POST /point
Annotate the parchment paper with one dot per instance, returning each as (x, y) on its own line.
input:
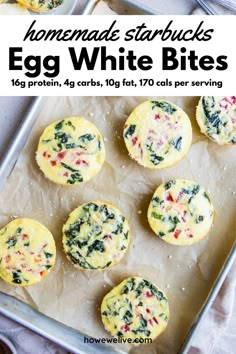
(185, 274)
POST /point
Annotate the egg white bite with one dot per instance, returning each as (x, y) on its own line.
(135, 309)
(96, 236)
(70, 151)
(27, 252)
(157, 134)
(216, 117)
(181, 212)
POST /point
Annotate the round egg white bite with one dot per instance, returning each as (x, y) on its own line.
(157, 134)
(181, 212)
(135, 309)
(70, 151)
(96, 236)
(216, 117)
(27, 252)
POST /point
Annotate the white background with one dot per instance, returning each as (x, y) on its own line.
(220, 44)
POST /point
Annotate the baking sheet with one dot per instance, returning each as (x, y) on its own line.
(170, 7)
(185, 274)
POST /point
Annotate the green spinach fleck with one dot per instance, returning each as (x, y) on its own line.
(199, 219)
(85, 139)
(156, 216)
(59, 125)
(207, 197)
(11, 242)
(128, 317)
(155, 201)
(161, 234)
(169, 184)
(177, 143)
(130, 131)
(76, 258)
(143, 321)
(208, 104)
(165, 106)
(191, 192)
(16, 275)
(155, 159)
(48, 255)
(126, 234)
(163, 315)
(118, 229)
(174, 220)
(69, 124)
(97, 245)
(157, 293)
(128, 287)
(75, 177)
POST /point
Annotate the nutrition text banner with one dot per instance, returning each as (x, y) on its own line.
(117, 55)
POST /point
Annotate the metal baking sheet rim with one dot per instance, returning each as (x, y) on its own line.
(59, 333)
(91, 4)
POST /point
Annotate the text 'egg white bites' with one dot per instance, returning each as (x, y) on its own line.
(157, 134)
(27, 252)
(70, 151)
(135, 309)
(216, 117)
(96, 236)
(181, 212)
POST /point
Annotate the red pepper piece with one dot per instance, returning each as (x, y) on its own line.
(46, 155)
(66, 174)
(147, 310)
(125, 328)
(108, 237)
(7, 258)
(155, 320)
(53, 163)
(150, 322)
(134, 140)
(177, 233)
(179, 196)
(148, 294)
(233, 99)
(82, 162)
(183, 217)
(169, 197)
(141, 150)
(24, 237)
(61, 154)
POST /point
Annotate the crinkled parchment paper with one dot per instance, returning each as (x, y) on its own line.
(185, 274)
